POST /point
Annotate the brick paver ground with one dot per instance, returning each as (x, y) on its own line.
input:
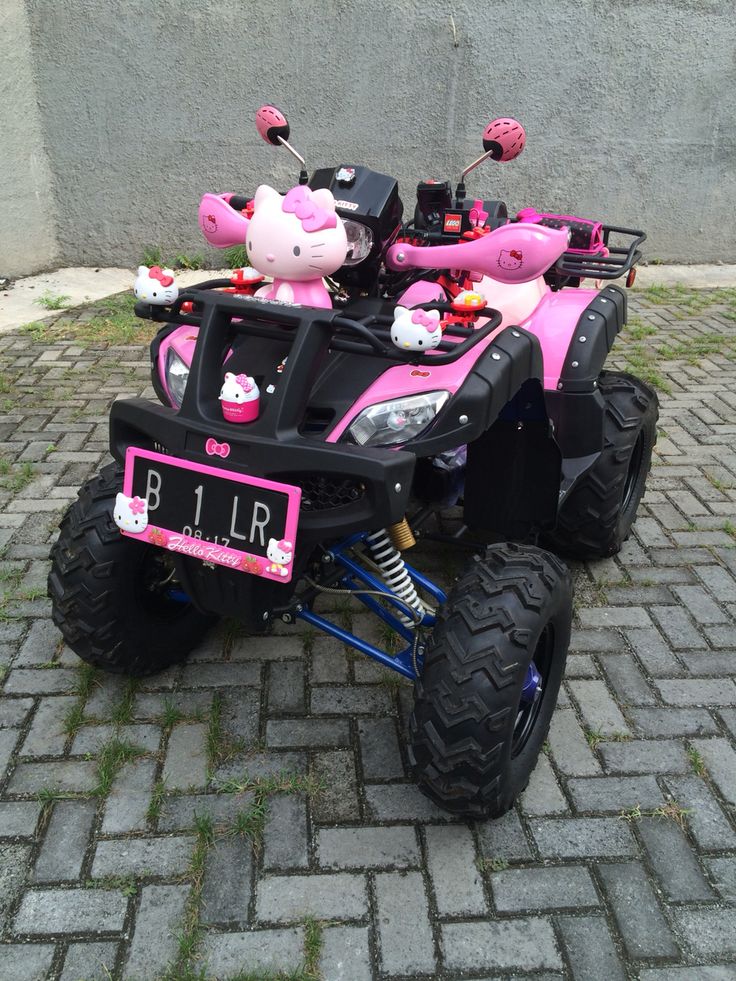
(251, 810)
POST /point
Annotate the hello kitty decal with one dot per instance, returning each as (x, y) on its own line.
(297, 239)
(510, 259)
(155, 285)
(280, 554)
(416, 330)
(130, 514)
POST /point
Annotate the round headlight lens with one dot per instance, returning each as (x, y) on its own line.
(360, 241)
(177, 375)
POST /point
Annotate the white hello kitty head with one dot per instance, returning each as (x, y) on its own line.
(510, 259)
(155, 285)
(238, 388)
(297, 237)
(131, 513)
(416, 330)
(280, 552)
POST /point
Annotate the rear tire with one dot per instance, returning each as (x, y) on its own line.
(474, 738)
(595, 518)
(108, 593)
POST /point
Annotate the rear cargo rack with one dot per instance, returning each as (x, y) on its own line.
(618, 260)
(367, 335)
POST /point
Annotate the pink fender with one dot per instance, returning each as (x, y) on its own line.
(221, 225)
(514, 253)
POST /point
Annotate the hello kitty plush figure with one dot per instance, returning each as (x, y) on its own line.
(130, 514)
(416, 330)
(279, 553)
(296, 239)
(240, 398)
(155, 285)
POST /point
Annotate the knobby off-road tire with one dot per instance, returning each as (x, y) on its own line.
(595, 519)
(473, 741)
(106, 592)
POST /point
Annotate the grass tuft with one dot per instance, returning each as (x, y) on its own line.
(52, 301)
(113, 755)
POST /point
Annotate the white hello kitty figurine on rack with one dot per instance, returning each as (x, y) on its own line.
(279, 553)
(416, 330)
(130, 514)
(240, 398)
(297, 239)
(155, 285)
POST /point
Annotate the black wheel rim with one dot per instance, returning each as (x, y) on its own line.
(528, 710)
(632, 474)
(157, 588)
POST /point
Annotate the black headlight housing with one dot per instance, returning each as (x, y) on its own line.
(365, 197)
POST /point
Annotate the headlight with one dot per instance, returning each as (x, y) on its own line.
(360, 241)
(177, 375)
(395, 422)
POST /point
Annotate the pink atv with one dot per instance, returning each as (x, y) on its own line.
(321, 407)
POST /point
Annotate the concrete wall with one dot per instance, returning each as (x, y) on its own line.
(628, 107)
(27, 227)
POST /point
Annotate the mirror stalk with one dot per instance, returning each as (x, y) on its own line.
(303, 175)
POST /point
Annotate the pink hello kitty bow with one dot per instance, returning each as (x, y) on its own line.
(299, 202)
(423, 318)
(137, 506)
(284, 545)
(213, 448)
(156, 272)
(245, 382)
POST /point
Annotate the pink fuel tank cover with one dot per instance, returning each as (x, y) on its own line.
(514, 253)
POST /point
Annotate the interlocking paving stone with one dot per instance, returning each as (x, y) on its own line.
(523, 944)
(25, 962)
(345, 954)
(590, 948)
(285, 843)
(553, 888)
(142, 856)
(52, 911)
(89, 961)
(652, 654)
(347, 848)
(65, 842)
(224, 954)
(643, 927)
(286, 899)
(404, 931)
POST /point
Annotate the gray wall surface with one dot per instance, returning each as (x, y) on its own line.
(628, 105)
(27, 223)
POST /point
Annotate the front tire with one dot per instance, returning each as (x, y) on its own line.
(111, 596)
(595, 518)
(476, 729)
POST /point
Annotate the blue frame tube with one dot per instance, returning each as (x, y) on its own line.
(356, 578)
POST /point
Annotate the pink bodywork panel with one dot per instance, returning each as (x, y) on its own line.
(232, 558)
(552, 318)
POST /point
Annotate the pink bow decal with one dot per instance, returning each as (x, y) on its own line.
(213, 448)
(245, 382)
(156, 272)
(299, 202)
(284, 545)
(137, 506)
(516, 254)
(423, 318)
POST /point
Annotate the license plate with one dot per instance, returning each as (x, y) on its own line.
(244, 523)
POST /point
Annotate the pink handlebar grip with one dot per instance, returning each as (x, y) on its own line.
(514, 253)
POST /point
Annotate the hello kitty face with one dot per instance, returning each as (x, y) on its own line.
(298, 237)
(510, 259)
(130, 513)
(209, 223)
(279, 553)
(416, 330)
(155, 285)
(238, 388)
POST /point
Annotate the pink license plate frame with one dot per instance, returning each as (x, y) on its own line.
(231, 558)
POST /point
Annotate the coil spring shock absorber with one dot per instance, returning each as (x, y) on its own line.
(389, 561)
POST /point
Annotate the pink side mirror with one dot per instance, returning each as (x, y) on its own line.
(504, 139)
(272, 125)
